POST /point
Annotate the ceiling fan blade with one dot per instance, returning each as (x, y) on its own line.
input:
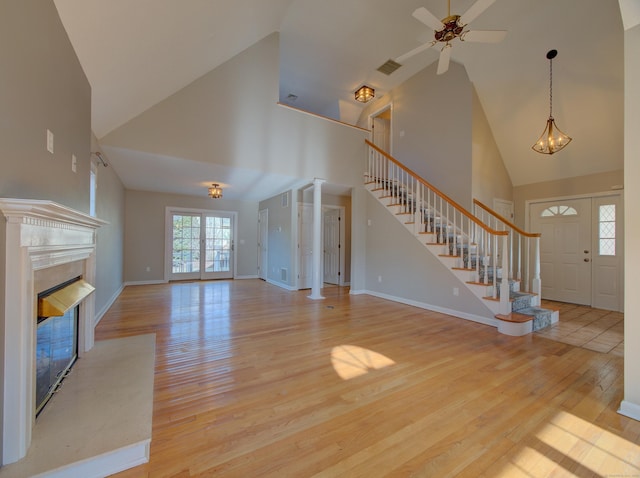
(484, 36)
(474, 11)
(415, 51)
(428, 18)
(443, 62)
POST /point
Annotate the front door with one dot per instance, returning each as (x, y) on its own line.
(565, 249)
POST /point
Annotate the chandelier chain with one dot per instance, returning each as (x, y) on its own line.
(551, 88)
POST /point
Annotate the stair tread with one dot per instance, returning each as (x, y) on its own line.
(514, 317)
(464, 269)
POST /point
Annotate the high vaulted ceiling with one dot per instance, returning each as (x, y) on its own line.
(135, 53)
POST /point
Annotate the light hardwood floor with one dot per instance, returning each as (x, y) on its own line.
(255, 381)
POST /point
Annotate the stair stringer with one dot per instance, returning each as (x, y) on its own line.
(488, 308)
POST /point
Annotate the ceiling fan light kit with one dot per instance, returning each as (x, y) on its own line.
(450, 28)
(552, 139)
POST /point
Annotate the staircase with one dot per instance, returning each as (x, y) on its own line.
(486, 253)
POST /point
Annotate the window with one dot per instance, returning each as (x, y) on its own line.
(93, 186)
(559, 211)
(607, 229)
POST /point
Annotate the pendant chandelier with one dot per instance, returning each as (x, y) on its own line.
(552, 139)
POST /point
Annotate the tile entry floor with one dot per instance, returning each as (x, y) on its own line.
(582, 326)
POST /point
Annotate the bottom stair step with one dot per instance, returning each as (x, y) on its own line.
(541, 317)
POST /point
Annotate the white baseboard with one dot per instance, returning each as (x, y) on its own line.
(146, 282)
(106, 307)
(493, 322)
(280, 284)
(629, 409)
(246, 277)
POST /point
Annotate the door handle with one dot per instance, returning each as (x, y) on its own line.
(586, 252)
(586, 259)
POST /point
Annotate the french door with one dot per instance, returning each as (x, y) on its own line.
(201, 245)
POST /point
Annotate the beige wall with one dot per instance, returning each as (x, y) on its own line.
(580, 185)
(632, 220)
(145, 232)
(42, 86)
(432, 126)
(230, 117)
(281, 238)
(490, 179)
(110, 237)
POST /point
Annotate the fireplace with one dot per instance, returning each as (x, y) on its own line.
(42, 244)
(57, 336)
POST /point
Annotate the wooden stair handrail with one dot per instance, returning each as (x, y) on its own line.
(506, 221)
(457, 206)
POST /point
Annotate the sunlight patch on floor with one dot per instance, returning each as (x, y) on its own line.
(578, 446)
(351, 361)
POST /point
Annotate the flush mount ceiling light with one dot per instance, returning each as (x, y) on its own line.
(552, 139)
(215, 191)
(365, 93)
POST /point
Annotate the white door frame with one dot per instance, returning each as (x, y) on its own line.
(263, 243)
(168, 242)
(594, 237)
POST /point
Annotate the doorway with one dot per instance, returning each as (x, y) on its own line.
(581, 250)
(380, 125)
(333, 238)
(200, 244)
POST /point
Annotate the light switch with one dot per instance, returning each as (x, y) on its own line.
(74, 162)
(50, 141)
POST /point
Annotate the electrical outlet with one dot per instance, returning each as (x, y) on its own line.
(379, 278)
(148, 269)
(74, 163)
(456, 291)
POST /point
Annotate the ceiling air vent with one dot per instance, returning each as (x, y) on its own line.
(389, 67)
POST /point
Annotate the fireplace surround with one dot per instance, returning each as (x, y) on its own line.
(43, 243)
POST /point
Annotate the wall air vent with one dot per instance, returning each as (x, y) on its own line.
(389, 67)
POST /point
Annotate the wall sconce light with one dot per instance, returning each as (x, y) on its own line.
(365, 93)
(215, 191)
(552, 138)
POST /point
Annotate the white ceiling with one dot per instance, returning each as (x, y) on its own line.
(135, 53)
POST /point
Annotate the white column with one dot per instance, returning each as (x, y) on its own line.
(316, 254)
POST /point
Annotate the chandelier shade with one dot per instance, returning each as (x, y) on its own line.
(552, 139)
(215, 191)
(365, 93)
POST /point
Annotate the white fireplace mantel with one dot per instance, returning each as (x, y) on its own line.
(38, 235)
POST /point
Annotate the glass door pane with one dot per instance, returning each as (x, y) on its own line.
(218, 246)
(185, 253)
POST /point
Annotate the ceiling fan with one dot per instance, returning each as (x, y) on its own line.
(452, 27)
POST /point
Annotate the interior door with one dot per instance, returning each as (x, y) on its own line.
(381, 129)
(331, 246)
(201, 245)
(263, 228)
(565, 249)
